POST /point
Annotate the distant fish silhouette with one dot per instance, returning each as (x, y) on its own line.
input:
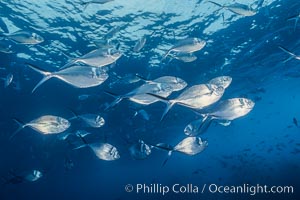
(295, 121)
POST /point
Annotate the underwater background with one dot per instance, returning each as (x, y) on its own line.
(262, 147)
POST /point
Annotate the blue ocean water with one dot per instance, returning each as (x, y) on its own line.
(260, 148)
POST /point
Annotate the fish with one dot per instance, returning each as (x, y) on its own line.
(96, 58)
(24, 37)
(188, 45)
(85, 4)
(27, 176)
(190, 146)
(139, 44)
(184, 57)
(103, 151)
(237, 8)
(47, 124)
(78, 76)
(292, 55)
(111, 32)
(78, 133)
(33, 175)
(92, 120)
(143, 113)
(192, 129)
(83, 97)
(197, 97)
(5, 48)
(295, 121)
(126, 79)
(226, 111)
(8, 80)
(162, 86)
(140, 150)
(221, 81)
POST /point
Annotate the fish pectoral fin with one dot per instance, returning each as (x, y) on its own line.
(225, 123)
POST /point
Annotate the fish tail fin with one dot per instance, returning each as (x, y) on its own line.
(68, 57)
(206, 122)
(217, 4)
(85, 5)
(75, 115)
(143, 78)
(166, 55)
(292, 55)
(117, 100)
(85, 143)
(21, 126)
(296, 21)
(47, 75)
(70, 63)
(170, 104)
(41, 82)
(166, 160)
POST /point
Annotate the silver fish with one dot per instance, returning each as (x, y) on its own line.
(237, 8)
(78, 133)
(197, 97)
(188, 45)
(143, 113)
(192, 129)
(26, 176)
(5, 48)
(189, 146)
(95, 2)
(140, 150)
(25, 37)
(221, 81)
(47, 124)
(77, 76)
(105, 151)
(139, 44)
(96, 58)
(92, 120)
(83, 97)
(33, 175)
(231, 109)
(162, 86)
(8, 80)
(226, 111)
(184, 57)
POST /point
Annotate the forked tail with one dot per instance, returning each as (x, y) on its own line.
(21, 126)
(47, 75)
